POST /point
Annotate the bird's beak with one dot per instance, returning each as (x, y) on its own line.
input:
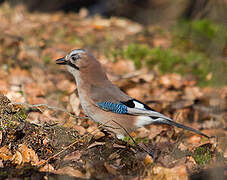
(61, 61)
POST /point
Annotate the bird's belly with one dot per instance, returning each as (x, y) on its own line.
(90, 110)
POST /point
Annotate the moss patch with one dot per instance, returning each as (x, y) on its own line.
(202, 155)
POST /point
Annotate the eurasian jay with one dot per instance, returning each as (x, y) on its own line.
(105, 103)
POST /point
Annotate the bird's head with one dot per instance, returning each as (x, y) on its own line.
(74, 60)
(81, 62)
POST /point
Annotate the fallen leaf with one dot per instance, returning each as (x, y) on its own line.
(195, 139)
(148, 160)
(182, 147)
(70, 171)
(110, 168)
(28, 154)
(5, 153)
(172, 80)
(175, 173)
(0, 137)
(17, 158)
(80, 129)
(192, 93)
(66, 85)
(74, 156)
(95, 144)
(98, 135)
(1, 164)
(123, 67)
(74, 103)
(47, 168)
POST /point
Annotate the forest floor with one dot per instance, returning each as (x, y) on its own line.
(44, 132)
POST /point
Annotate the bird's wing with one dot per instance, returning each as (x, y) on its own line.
(149, 116)
(132, 106)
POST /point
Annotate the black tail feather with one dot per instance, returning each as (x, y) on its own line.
(166, 121)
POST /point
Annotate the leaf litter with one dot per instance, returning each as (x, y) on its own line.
(59, 140)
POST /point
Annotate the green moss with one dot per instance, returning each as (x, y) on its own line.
(75, 41)
(172, 60)
(137, 140)
(202, 35)
(46, 59)
(137, 53)
(21, 115)
(202, 155)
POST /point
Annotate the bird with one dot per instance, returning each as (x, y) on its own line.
(105, 103)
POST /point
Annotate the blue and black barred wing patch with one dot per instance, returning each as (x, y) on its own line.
(116, 108)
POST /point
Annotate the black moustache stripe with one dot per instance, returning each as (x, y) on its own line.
(73, 65)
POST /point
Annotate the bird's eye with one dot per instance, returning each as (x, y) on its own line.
(75, 57)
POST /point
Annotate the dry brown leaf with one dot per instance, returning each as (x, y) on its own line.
(114, 155)
(47, 168)
(66, 85)
(171, 80)
(175, 173)
(225, 154)
(123, 67)
(192, 93)
(195, 139)
(80, 129)
(169, 96)
(143, 132)
(17, 158)
(138, 92)
(70, 171)
(15, 96)
(100, 24)
(4, 86)
(93, 129)
(28, 154)
(0, 137)
(95, 144)
(98, 135)
(161, 42)
(74, 156)
(19, 77)
(5, 153)
(155, 130)
(1, 164)
(182, 147)
(34, 93)
(191, 164)
(148, 160)
(110, 168)
(74, 103)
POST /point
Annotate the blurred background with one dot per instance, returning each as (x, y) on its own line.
(170, 54)
(196, 30)
(142, 11)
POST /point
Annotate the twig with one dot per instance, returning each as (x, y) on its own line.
(49, 107)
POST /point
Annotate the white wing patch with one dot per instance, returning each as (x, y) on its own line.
(138, 105)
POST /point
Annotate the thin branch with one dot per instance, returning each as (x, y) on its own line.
(49, 107)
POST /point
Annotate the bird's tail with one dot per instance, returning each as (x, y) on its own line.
(169, 122)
